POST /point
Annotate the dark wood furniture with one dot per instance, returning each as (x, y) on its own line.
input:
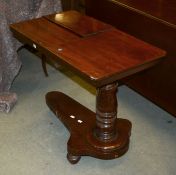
(154, 22)
(78, 5)
(101, 55)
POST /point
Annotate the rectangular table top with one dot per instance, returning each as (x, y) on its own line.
(101, 58)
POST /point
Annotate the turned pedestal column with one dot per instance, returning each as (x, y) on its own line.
(106, 113)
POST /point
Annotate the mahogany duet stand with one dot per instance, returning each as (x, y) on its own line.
(101, 55)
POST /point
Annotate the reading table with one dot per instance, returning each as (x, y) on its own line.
(101, 55)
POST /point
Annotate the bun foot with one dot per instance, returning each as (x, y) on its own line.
(73, 159)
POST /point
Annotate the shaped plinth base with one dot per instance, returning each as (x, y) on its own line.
(81, 122)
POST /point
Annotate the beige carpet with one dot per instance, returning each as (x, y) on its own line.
(33, 141)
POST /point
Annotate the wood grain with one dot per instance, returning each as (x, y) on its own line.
(78, 23)
(154, 23)
(100, 59)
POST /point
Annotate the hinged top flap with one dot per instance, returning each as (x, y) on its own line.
(78, 23)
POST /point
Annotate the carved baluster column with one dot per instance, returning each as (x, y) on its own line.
(106, 113)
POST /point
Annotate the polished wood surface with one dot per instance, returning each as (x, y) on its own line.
(162, 10)
(81, 122)
(42, 33)
(78, 23)
(102, 59)
(153, 22)
(110, 56)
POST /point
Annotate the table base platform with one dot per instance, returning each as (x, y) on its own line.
(81, 122)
